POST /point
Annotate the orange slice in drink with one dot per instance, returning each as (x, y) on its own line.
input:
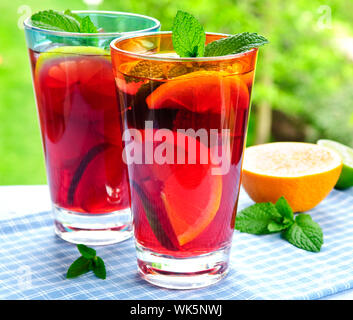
(190, 211)
(201, 91)
(192, 196)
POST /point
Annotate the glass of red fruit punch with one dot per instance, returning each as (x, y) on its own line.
(79, 120)
(184, 127)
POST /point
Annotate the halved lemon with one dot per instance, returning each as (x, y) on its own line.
(303, 173)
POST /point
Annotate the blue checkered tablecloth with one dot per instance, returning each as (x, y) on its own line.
(33, 261)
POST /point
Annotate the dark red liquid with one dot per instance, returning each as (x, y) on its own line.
(182, 209)
(80, 125)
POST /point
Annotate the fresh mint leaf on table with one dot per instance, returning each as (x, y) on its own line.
(78, 267)
(98, 268)
(89, 261)
(266, 217)
(256, 218)
(63, 21)
(305, 233)
(189, 39)
(86, 252)
(285, 210)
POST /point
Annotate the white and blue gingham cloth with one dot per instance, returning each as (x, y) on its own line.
(33, 261)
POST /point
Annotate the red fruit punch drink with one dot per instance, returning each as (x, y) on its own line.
(79, 118)
(185, 122)
(81, 133)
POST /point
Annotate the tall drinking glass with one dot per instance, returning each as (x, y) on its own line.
(185, 123)
(79, 120)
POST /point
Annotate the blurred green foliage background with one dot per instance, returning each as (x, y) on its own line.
(303, 88)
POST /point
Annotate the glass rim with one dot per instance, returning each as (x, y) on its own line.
(28, 25)
(174, 59)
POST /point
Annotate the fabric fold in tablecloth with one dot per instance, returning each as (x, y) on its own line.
(33, 261)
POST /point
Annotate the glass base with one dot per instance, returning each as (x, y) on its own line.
(93, 229)
(182, 273)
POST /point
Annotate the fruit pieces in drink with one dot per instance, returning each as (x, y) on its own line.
(184, 209)
(172, 189)
(200, 91)
(79, 117)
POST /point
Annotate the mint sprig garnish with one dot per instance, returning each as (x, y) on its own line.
(188, 35)
(87, 26)
(66, 21)
(266, 217)
(73, 15)
(238, 43)
(88, 261)
(189, 38)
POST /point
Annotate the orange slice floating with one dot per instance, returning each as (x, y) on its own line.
(190, 211)
(201, 91)
(192, 196)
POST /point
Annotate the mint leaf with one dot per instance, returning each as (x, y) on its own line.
(86, 252)
(73, 15)
(304, 233)
(256, 218)
(262, 218)
(285, 210)
(188, 35)
(63, 21)
(98, 268)
(78, 267)
(87, 262)
(274, 226)
(87, 26)
(54, 20)
(238, 43)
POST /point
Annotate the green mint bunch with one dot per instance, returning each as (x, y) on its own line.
(66, 21)
(266, 217)
(87, 262)
(189, 37)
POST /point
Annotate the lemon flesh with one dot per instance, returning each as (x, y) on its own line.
(66, 51)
